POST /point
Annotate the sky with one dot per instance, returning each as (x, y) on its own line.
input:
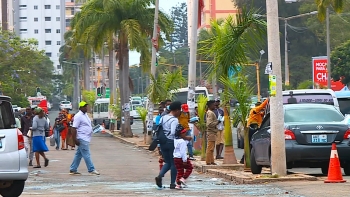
(165, 6)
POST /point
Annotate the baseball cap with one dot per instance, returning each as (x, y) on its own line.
(82, 104)
(184, 108)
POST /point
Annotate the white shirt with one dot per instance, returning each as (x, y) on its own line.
(169, 125)
(180, 150)
(82, 123)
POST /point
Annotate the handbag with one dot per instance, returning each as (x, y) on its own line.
(29, 133)
(52, 141)
(60, 127)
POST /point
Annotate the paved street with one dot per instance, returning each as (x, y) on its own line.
(125, 171)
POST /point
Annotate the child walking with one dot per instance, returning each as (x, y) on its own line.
(182, 163)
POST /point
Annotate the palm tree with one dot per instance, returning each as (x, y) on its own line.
(229, 47)
(127, 25)
(322, 6)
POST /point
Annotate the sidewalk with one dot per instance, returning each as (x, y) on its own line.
(126, 170)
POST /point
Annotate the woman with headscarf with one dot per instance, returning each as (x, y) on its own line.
(39, 127)
(64, 133)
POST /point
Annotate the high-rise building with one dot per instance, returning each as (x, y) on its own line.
(43, 20)
(72, 7)
(217, 9)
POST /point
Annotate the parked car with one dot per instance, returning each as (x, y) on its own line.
(66, 105)
(13, 157)
(310, 130)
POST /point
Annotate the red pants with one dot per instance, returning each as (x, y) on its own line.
(180, 167)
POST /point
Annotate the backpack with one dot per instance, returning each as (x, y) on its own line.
(159, 136)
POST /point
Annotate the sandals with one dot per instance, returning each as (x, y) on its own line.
(46, 162)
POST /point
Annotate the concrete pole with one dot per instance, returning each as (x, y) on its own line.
(329, 73)
(286, 66)
(77, 84)
(150, 105)
(103, 68)
(278, 151)
(193, 58)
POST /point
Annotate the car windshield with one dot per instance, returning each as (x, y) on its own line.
(65, 102)
(312, 115)
(182, 96)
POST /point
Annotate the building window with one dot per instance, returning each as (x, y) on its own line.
(48, 54)
(47, 31)
(22, 7)
(23, 30)
(58, 18)
(47, 7)
(59, 67)
(47, 42)
(67, 22)
(35, 7)
(36, 19)
(22, 18)
(58, 42)
(57, 7)
(47, 18)
(36, 31)
(58, 31)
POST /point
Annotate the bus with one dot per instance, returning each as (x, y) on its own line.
(182, 94)
(344, 101)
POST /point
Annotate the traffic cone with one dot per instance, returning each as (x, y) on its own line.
(334, 170)
(104, 128)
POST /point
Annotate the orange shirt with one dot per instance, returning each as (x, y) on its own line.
(184, 118)
(255, 115)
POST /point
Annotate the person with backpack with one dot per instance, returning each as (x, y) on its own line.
(166, 136)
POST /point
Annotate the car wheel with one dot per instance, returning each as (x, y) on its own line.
(347, 170)
(255, 168)
(14, 190)
(324, 170)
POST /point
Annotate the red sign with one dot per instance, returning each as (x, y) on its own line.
(320, 74)
(319, 69)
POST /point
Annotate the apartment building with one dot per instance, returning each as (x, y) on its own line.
(43, 20)
(72, 7)
(217, 9)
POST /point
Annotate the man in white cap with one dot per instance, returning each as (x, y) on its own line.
(82, 131)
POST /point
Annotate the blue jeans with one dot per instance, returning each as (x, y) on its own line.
(57, 137)
(83, 151)
(189, 145)
(167, 153)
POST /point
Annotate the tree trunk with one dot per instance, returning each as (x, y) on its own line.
(86, 73)
(246, 148)
(144, 132)
(229, 154)
(125, 100)
(110, 72)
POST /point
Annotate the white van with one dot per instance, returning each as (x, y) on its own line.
(320, 96)
(182, 94)
(101, 108)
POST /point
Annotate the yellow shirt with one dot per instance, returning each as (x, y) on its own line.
(184, 118)
(255, 115)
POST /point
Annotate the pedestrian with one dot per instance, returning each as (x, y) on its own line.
(56, 132)
(184, 119)
(182, 163)
(211, 123)
(64, 132)
(255, 118)
(82, 132)
(39, 127)
(26, 124)
(169, 123)
(166, 107)
(70, 141)
(220, 138)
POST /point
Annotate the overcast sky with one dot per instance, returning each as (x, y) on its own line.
(165, 5)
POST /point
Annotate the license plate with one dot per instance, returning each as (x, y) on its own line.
(319, 138)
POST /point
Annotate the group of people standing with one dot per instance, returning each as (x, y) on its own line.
(62, 130)
(174, 118)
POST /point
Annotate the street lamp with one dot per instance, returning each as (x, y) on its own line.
(286, 66)
(76, 100)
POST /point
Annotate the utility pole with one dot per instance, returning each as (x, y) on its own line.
(328, 52)
(153, 69)
(286, 66)
(278, 150)
(193, 57)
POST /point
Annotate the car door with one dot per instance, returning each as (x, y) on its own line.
(9, 154)
(261, 141)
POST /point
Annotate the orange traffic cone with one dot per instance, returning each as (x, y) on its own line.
(334, 170)
(104, 128)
